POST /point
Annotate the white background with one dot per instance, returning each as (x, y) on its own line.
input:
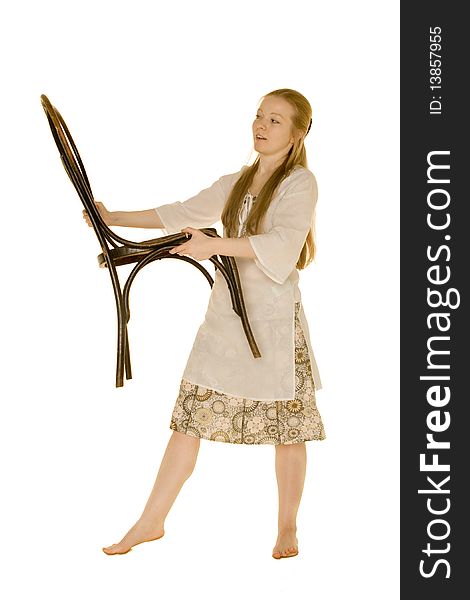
(159, 99)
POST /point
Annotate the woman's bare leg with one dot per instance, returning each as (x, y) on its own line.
(291, 464)
(177, 465)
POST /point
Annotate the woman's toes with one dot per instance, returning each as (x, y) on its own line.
(113, 549)
(284, 552)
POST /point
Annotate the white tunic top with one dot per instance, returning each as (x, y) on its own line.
(221, 358)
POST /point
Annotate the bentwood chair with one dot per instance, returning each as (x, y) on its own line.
(118, 251)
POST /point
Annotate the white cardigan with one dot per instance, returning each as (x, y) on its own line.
(221, 358)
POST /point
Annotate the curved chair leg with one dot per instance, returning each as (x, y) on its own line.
(122, 322)
(127, 358)
(121, 347)
(228, 270)
(157, 254)
(152, 256)
(241, 304)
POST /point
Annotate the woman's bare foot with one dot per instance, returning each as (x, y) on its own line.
(286, 544)
(139, 533)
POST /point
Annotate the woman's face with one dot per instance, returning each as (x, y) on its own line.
(273, 122)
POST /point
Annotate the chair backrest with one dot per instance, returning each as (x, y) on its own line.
(75, 169)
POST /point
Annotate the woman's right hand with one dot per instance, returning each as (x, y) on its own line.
(105, 214)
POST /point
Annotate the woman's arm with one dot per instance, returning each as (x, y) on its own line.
(134, 218)
(145, 219)
(201, 210)
(201, 246)
(233, 247)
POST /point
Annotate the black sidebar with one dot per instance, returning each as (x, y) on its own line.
(435, 271)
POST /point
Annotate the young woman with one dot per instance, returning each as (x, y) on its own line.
(267, 210)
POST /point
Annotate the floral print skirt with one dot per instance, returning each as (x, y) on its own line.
(205, 413)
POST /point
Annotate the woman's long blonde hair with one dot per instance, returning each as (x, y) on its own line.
(297, 156)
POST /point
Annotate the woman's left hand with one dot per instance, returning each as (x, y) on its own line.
(199, 247)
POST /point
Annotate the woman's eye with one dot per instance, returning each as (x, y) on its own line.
(273, 120)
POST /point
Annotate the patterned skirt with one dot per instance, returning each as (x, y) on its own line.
(205, 413)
